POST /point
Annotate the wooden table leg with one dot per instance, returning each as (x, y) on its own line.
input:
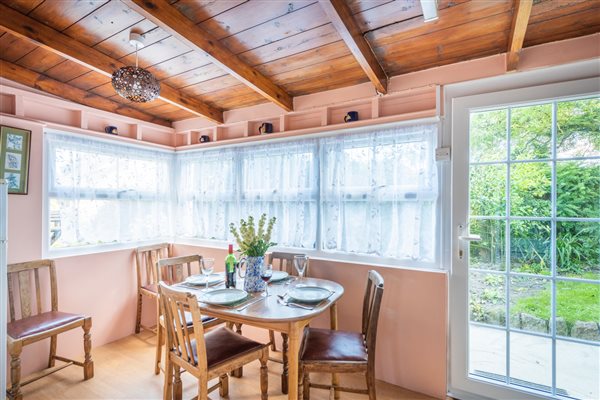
(335, 381)
(295, 333)
(284, 361)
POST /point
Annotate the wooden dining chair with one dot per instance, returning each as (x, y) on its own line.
(329, 351)
(146, 259)
(171, 271)
(206, 355)
(283, 262)
(34, 325)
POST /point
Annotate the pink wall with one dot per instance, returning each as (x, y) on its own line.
(411, 343)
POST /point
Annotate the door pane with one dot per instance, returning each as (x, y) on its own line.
(578, 128)
(487, 357)
(578, 249)
(530, 190)
(531, 132)
(530, 247)
(490, 252)
(577, 370)
(487, 136)
(530, 304)
(488, 190)
(531, 361)
(578, 310)
(487, 300)
(578, 189)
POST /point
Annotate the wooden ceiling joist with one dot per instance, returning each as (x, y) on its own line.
(42, 82)
(167, 17)
(342, 19)
(65, 46)
(520, 20)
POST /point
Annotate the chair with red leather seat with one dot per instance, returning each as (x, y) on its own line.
(30, 328)
(329, 351)
(204, 355)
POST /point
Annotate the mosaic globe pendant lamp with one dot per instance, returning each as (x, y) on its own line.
(135, 83)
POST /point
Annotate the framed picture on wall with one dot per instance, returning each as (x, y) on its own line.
(15, 146)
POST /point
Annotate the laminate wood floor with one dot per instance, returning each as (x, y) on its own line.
(123, 370)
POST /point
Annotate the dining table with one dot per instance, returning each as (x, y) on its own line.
(268, 312)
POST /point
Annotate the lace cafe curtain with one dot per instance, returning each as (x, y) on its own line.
(207, 193)
(217, 187)
(281, 179)
(371, 194)
(101, 192)
(379, 193)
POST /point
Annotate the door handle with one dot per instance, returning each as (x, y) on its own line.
(465, 236)
(470, 238)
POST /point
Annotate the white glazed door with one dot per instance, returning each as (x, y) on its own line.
(525, 282)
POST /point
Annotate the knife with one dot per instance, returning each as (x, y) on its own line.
(249, 304)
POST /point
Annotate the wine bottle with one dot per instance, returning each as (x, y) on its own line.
(230, 263)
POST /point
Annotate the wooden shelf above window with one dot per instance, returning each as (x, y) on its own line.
(413, 104)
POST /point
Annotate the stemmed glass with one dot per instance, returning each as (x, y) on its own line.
(300, 263)
(208, 264)
(265, 274)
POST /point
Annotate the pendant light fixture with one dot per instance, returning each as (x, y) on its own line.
(134, 83)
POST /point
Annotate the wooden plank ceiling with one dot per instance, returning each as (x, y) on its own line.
(293, 45)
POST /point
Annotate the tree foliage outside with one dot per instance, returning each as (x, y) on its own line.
(577, 186)
(533, 138)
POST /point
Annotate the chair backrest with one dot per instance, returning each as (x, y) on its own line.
(146, 259)
(370, 314)
(285, 262)
(176, 269)
(179, 333)
(20, 278)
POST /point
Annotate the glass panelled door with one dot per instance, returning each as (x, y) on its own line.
(530, 250)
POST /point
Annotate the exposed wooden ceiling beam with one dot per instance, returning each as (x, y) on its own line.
(42, 82)
(342, 19)
(65, 46)
(177, 24)
(521, 13)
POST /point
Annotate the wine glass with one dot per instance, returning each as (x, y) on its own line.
(265, 274)
(208, 264)
(300, 263)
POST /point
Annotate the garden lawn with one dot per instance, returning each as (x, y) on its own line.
(575, 301)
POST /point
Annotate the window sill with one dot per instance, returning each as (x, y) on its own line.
(97, 249)
(374, 261)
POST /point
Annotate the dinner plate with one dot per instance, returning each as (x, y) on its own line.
(309, 294)
(279, 276)
(200, 280)
(224, 296)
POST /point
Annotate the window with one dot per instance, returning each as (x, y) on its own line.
(379, 193)
(102, 193)
(217, 187)
(207, 194)
(369, 194)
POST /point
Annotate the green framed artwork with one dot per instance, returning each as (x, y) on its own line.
(15, 146)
